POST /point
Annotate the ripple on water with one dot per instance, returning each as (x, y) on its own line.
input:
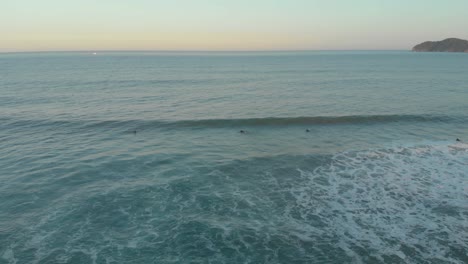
(390, 205)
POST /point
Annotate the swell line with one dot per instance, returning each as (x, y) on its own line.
(307, 120)
(227, 123)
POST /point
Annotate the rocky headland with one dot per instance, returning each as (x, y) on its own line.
(447, 45)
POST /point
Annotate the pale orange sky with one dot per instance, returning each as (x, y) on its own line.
(28, 25)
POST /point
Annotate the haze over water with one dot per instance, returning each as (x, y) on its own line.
(136, 157)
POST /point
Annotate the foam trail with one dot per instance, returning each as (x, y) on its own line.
(408, 204)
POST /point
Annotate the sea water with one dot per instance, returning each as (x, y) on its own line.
(137, 157)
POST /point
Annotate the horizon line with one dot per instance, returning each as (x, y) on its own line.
(182, 51)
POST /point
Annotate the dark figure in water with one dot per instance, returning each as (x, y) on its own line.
(242, 132)
(134, 132)
(458, 140)
(307, 130)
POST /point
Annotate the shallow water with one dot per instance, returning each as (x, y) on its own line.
(137, 157)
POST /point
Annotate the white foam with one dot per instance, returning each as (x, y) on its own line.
(9, 256)
(405, 203)
(392, 201)
(459, 146)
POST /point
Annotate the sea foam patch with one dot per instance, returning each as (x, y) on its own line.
(407, 204)
(393, 205)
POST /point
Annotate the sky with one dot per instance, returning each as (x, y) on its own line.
(56, 25)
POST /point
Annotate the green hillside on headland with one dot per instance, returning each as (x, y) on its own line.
(447, 45)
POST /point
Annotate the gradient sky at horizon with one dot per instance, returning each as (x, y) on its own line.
(46, 25)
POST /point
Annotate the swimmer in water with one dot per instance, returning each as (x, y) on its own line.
(458, 140)
(242, 132)
(307, 130)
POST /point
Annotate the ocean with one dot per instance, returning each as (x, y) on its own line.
(234, 157)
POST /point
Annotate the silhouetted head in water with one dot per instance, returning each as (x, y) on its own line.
(134, 132)
(458, 140)
(242, 132)
(307, 130)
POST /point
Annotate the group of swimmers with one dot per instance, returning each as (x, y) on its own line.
(308, 130)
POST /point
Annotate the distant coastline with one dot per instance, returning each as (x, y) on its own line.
(446, 45)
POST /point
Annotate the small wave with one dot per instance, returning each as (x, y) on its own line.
(308, 120)
(239, 122)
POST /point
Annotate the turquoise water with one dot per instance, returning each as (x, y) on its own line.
(136, 157)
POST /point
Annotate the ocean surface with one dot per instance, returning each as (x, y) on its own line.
(137, 157)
